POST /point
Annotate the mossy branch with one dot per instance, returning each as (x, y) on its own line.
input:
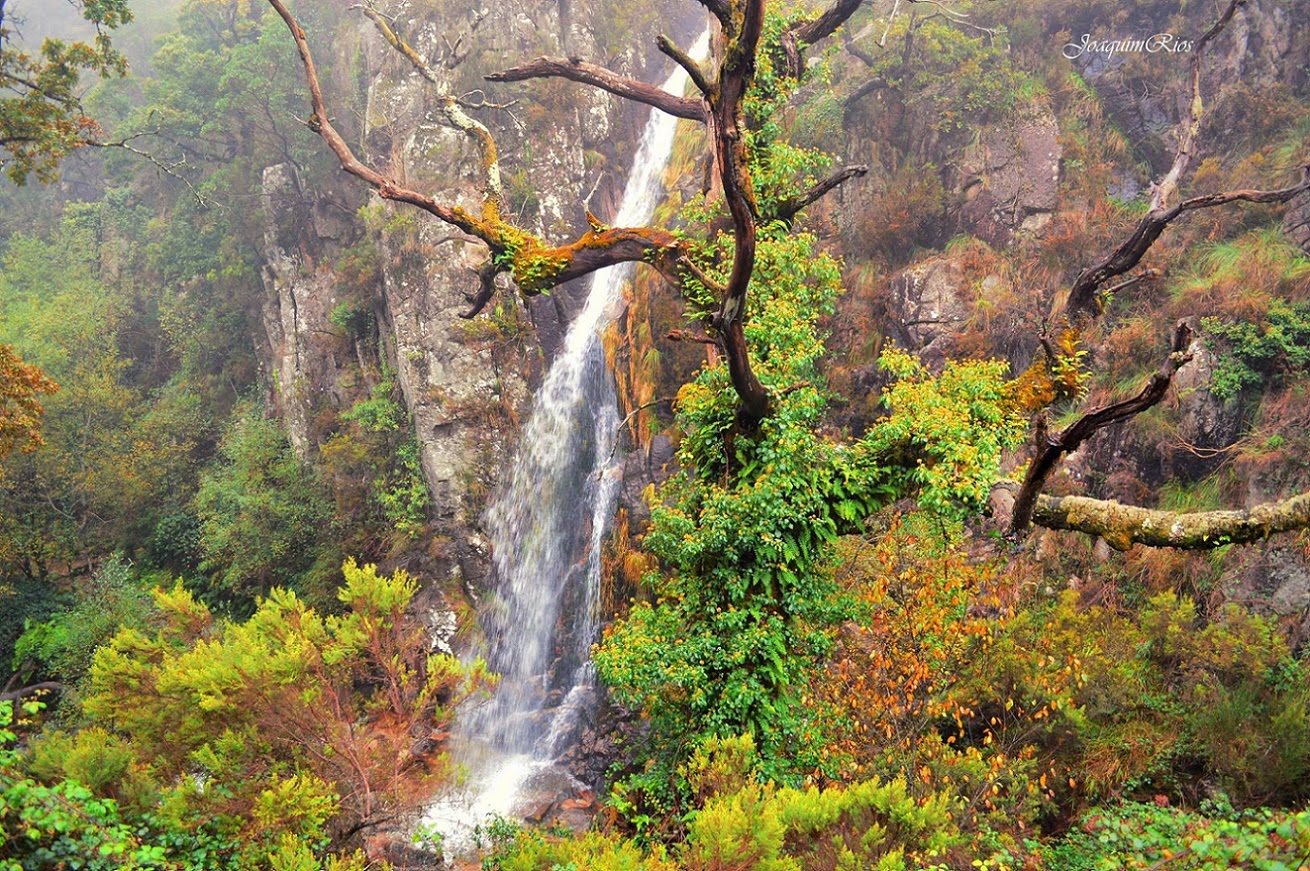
(1123, 526)
(535, 265)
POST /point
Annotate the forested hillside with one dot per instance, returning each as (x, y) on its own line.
(924, 487)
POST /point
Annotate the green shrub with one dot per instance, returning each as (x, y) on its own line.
(1252, 352)
(869, 825)
(1217, 838)
(65, 643)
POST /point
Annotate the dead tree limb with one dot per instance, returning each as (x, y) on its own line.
(728, 131)
(1167, 186)
(1122, 526)
(23, 692)
(451, 111)
(1082, 296)
(1052, 449)
(792, 206)
(722, 109)
(687, 62)
(813, 30)
(589, 74)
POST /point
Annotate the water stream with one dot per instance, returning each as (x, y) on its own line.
(546, 529)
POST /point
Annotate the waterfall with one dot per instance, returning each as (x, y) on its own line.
(546, 529)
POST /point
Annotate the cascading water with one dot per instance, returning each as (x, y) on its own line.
(546, 529)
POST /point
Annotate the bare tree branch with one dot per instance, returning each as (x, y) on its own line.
(451, 110)
(24, 692)
(812, 31)
(589, 74)
(536, 266)
(386, 188)
(1167, 186)
(1052, 449)
(727, 126)
(1122, 526)
(684, 60)
(791, 207)
(1082, 296)
(169, 169)
(700, 275)
(486, 273)
(687, 336)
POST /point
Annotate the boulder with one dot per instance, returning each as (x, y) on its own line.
(927, 306)
(1296, 221)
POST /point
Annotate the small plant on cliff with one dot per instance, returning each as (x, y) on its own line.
(1253, 352)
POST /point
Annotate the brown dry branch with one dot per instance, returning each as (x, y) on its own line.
(1052, 449)
(813, 30)
(576, 70)
(789, 208)
(1082, 296)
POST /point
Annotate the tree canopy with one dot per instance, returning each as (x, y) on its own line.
(41, 114)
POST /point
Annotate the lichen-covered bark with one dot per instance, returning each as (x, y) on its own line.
(1123, 526)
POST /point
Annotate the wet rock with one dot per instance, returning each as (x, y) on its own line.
(396, 850)
(1277, 579)
(1206, 423)
(641, 468)
(442, 625)
(599, 744)
(554, 795)
(301, 346)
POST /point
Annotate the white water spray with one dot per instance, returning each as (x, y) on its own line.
(547, 529)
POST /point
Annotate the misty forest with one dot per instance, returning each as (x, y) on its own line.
(584, 435)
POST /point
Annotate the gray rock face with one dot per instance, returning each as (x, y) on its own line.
(1296, 221)
(1204, 420)
(1260, 46)
(641, 468)
(301, 348)
(928, 306)
(1279, 578)
(563, 148)
(1011, 180)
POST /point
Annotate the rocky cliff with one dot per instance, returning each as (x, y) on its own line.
(354, 293)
